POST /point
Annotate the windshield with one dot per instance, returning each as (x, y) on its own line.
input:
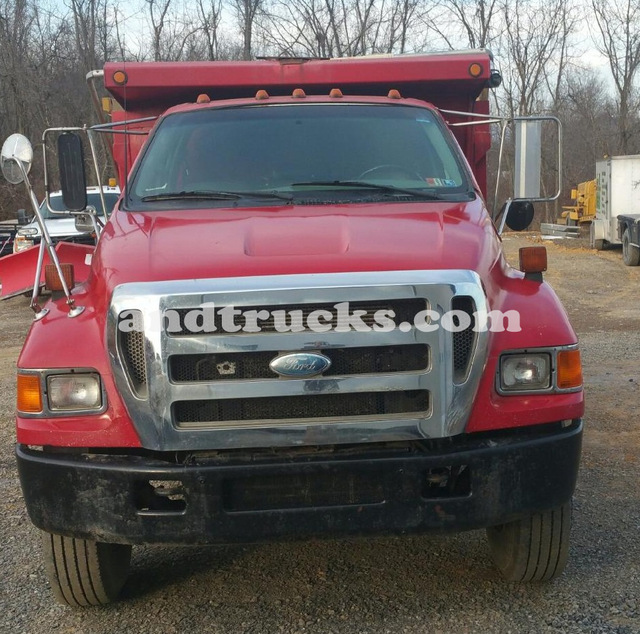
(297, 151)
(93, 200)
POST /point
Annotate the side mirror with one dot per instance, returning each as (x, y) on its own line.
(16, 158)
(22, 217)
(519, 215)
(528, 159)
(84, 223)
(73, 180)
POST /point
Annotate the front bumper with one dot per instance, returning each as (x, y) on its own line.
(466, 482)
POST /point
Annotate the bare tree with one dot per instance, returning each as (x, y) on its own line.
(618, 24)
(339, 28)
(210, 14)
(535, 37)
(246, 13)
(588, 114)
(477, 21)
(157, 16)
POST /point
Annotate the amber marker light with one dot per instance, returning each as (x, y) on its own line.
(569, 370)
(120, 77)
(52, 280)
(298, 93)
(261, 95)
(475, 69)
(203, 98)
(533, 259)
(394, 94)
(29, 394)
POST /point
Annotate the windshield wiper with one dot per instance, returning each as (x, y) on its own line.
(366, 185)
(213, 195)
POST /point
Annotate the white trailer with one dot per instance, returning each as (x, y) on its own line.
(617, 194)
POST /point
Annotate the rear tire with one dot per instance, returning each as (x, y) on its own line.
(83, 572)
(630, 253)
(534, 548)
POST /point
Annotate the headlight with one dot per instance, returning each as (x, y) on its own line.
(72, 392)
(21, 243)
(525, 372)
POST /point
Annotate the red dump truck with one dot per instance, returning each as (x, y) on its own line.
(297, 322)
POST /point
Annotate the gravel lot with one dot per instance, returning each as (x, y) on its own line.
(418, 584)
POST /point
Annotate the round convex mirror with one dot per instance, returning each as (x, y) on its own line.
(16, 148)
(520, 215)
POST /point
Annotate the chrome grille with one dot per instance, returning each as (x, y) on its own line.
(259, 410)
(189, 368)
(402, 384)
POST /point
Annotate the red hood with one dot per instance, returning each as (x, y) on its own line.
(210, 243)
(288, 240)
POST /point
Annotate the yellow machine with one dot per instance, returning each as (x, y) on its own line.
(584, 211)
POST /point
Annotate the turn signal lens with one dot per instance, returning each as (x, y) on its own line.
(533, 259)
(29, 394)
(52, 280)
(475, 70)
(569, 372)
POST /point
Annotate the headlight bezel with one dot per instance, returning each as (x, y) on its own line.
(552, 388)
(543, 360)
(51, 412)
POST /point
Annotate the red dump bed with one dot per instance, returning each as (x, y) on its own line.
(453, 81)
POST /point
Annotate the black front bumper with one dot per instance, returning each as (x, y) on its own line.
(460, 483)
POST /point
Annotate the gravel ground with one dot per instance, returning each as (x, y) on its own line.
(393, 585)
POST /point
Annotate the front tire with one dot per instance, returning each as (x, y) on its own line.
(534, 548)
(83, 572)
(630, 253)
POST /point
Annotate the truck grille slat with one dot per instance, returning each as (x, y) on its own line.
(203, 413)
(131, 347)
(464, 342)
(255, 365)
(404, 309)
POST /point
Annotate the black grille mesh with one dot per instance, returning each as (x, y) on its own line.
(306, 407)
(465, 340)
(255, 365)
(404, 309)
(131, 345)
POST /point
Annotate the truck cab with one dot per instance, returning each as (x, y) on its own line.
(299, 322)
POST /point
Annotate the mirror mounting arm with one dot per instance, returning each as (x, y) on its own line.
(47, 244)
(505, 213)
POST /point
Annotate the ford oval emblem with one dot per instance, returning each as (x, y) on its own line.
(300, 364)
